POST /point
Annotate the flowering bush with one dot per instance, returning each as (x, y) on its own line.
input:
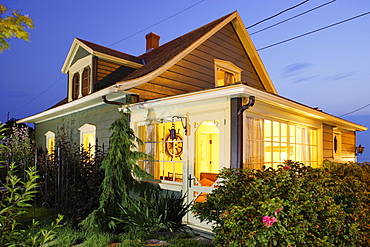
(294, 205)
(18, 147)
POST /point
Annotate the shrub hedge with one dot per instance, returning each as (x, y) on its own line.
(294, 205)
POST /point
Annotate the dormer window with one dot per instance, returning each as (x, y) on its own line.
(86, 81)
(225, 78)
(226, 73)
(80, 84)
(76, 86)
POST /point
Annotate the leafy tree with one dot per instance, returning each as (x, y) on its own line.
(122, 176)
(13, 26)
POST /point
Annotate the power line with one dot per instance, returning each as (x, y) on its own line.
(156, 23)
(39, 94)
(281, 12)
(112, 45)
(303, 13)
(314, 31)
(355, 110)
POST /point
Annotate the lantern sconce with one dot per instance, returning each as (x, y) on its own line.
(359, 149)
(184, 122)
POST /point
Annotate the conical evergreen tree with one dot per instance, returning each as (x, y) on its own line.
(122, 175)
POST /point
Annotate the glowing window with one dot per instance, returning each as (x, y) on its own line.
(226, 73)
(50, 142)
(271, 143)
(88, 137)
(167, 153)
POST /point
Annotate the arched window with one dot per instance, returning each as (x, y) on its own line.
(88, 137)
(75, 86)
(50, 142)
(86, 85)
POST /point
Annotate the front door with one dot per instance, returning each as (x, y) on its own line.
(207, 151)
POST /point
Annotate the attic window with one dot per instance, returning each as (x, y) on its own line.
(86, 85)
(76, 86)
(226, 73)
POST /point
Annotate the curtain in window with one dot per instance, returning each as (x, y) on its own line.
(253, 148)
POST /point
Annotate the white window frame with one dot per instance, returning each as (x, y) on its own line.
(247, 140)
(228, 67)
(50, 135)
(337, 134)
(78, 67)
(87, 129)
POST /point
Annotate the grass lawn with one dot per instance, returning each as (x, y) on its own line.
(67, 236)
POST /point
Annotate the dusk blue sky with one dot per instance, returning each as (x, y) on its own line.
(329, 69)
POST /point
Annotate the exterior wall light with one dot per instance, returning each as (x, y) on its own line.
(359, 149)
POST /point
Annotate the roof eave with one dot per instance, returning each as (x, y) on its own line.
(84, 103)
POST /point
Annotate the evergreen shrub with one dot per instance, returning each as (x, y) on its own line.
(294, 205)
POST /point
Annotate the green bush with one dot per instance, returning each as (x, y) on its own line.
(294, 205)
(16, 196)
(154, 211)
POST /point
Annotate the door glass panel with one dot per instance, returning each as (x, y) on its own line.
(207, 146)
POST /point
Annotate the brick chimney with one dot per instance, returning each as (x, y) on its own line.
(152, 41)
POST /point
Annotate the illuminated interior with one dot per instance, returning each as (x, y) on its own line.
(50, 142)
(271, 143)
(88, 142)
(50, 146)
(225, 78)
(207, 153)
(167, 153)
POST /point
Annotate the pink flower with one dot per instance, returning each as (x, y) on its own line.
(286, 167)
(268, 221)
(278, 210)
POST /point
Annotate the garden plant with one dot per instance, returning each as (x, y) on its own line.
(16, 197)
(294, 205)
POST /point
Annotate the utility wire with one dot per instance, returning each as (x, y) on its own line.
(112, 45)
(156, 23)
(314, 31)
(355, 110)
(281, 12)
(292, 17)
(39, 94)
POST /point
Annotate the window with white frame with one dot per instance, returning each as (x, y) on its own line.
(88, 137)
(50, 142)
(226, 73)
(270, 143)
(81, 83)
(167, 153)
(337, 143)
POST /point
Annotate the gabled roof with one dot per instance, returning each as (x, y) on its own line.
(164, 53)
(99, 51)
(162, 58)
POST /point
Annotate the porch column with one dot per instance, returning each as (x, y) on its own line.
(236, 147)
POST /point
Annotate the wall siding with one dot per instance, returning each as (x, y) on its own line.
(327, 142)
(348, 144)
(101, 116)
(195, 71)
(109, 73)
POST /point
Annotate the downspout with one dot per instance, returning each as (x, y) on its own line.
(240, 130)
(128, 115)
